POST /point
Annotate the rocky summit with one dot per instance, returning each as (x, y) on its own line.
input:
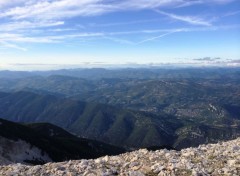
(222, 158)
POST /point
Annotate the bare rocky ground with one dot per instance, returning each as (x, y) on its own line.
(222, 158)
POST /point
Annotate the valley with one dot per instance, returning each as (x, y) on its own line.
(156, 107)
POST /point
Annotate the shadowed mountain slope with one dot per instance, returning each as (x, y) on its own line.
(57, 143)
(116, 126)
(91, 120)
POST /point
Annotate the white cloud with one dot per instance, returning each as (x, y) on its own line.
(231, 13)
(59, 9)
(49, 17)
(188, 19)
(118, 40)
(157, 37)
(10, 45)
(12, 3)
(56, 9)
(122, 23)
(19, 38)
(23, 38)
(189, 3)
(148, 4)
(221, 1)
(16, 25)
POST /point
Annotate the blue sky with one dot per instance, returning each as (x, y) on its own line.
(72, 32)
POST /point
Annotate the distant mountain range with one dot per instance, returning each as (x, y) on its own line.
(130, 108)
(131, 73)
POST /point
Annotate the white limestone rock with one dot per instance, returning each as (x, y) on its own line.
(222, 158)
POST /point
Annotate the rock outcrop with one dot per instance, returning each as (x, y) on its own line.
(222, 158)
(20, 151)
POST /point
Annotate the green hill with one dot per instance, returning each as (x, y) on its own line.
(121, 127)
(109, 124)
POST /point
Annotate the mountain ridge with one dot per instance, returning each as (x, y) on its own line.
(221, 158)
(78, 117)
(116, 126)
(50, 140)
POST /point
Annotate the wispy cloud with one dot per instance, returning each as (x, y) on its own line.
(157, 37)
(188, 19)
(59, 9)
(46, 21)
(10, 4)
(118, 40)
(220, 1)
(208, 59)
(10, 45)
(8, 38)
(189, 3)
(122, 23)
(18, 25)
(206, 2)
(231, 13)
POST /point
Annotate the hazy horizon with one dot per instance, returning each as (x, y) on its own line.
(49, 67)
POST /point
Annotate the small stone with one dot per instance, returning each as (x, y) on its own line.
(144, 151)
(236, 148)
(98, 161)
(225, 170)
(195, 173)
(105, 159)
(154, 167)
(145, 169)
(134, 159)
(188, 154)
(167, 155)
(209, 170)
(159, 169)
(135, 173)
(231, 162)
(133, 164)
(126, 164)
(84, 162)
(136, 168)
(89, 173)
